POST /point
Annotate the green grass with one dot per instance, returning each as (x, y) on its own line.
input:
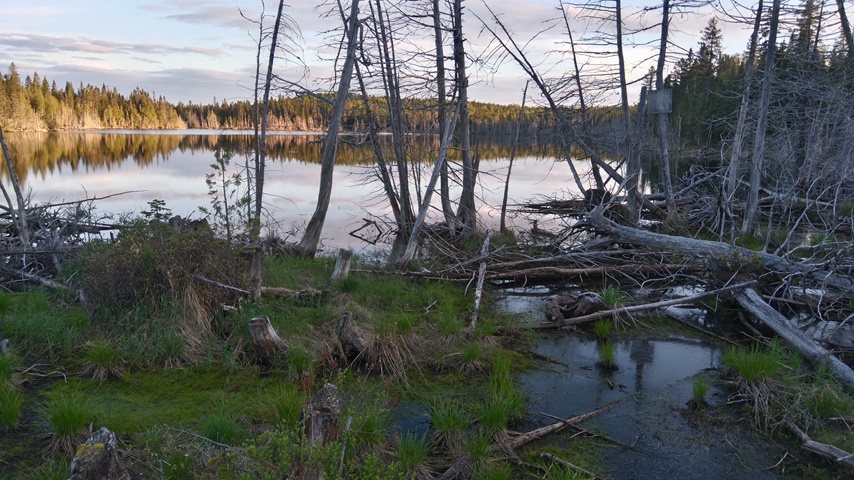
(8, 363)
(369, 428)
(503, 403)
(222, 425)
(450, 422)
(494, 471)
(68, 415)
(413, 451)
(603, 327)
(11, 404)
(103, 360)
(753, 364)
(559, 472)
(699, 388)
(37, 325)
(607, 355)
(288, 406)
(471, 352)
(612, 296)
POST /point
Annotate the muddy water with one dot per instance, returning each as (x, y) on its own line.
(655, 375)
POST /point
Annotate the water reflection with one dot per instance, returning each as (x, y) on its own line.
(172, 166)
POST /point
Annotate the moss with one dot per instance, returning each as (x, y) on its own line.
(85, 451)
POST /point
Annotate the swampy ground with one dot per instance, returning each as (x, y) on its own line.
(170, 368)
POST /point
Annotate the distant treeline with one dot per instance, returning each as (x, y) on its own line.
(36, 104)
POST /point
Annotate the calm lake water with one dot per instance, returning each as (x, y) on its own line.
(171, 166)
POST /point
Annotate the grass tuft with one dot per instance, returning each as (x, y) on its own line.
(68, 415)
(603, 328)
(11, 404)
(103, 361)
(412, 452)
(222, 426)
(449, 424)
(607, 356)
(612, 296)
(755, 364)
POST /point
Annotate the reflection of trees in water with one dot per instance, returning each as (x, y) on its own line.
(41, 153)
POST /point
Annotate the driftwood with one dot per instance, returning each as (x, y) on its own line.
(707, 248)
(265, 340)
(815, 353)
(827, 451)
(481, 274)
(342, 265)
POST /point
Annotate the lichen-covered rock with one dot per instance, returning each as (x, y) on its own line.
(97, 459)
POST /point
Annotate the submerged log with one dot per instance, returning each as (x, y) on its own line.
(97, 459)
(707, 248)
(265, 340)
(815, 353)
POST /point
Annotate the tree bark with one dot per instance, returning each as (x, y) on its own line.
(311, 237)
(266, 341)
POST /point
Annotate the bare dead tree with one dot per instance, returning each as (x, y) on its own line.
(751, 224)
(503, 225)
(467, 212)
(311, 237)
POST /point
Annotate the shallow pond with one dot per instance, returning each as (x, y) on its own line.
(657, 367)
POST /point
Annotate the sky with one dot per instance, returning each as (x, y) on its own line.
(198, 50)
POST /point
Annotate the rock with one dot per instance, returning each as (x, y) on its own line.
(97, 459)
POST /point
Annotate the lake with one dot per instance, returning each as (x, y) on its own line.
(171, 166)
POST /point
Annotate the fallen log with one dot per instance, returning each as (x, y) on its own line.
(630, 309)
(306, 295)
(707, 248)
(822, 449)
(753, 303)
(265, 340)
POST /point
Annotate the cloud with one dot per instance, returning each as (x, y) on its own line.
(30, 43)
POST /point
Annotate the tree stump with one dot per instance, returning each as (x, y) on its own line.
(342, 265)
(265, 340)
(97, 459)
(322, 416)
(353, 339)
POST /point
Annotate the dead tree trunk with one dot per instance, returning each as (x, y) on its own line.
(632, 162)
(503, 226)
(442, 112)
(261, 144)
(265, 340)
(311, 237)
(846, 29)
(23, 232)
(663, 120)
(751, 215)
(753, 303)
(706, 248)
(467, 210)
(740, 128)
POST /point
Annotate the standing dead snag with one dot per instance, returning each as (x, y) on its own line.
(266, 341)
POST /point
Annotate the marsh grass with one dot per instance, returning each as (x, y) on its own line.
(503, 403)
(754, 364)
(559, 472)
(11, 405)
(450, 423)
(494, 471)
(8, 364)
(223, 425)
(68, 415)
(603, 328)
(612, 296)
(288, 406)
(607, 356)
(472, 355)
(699, 389)
(300, 363)
(413, 451)
(103, 361)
